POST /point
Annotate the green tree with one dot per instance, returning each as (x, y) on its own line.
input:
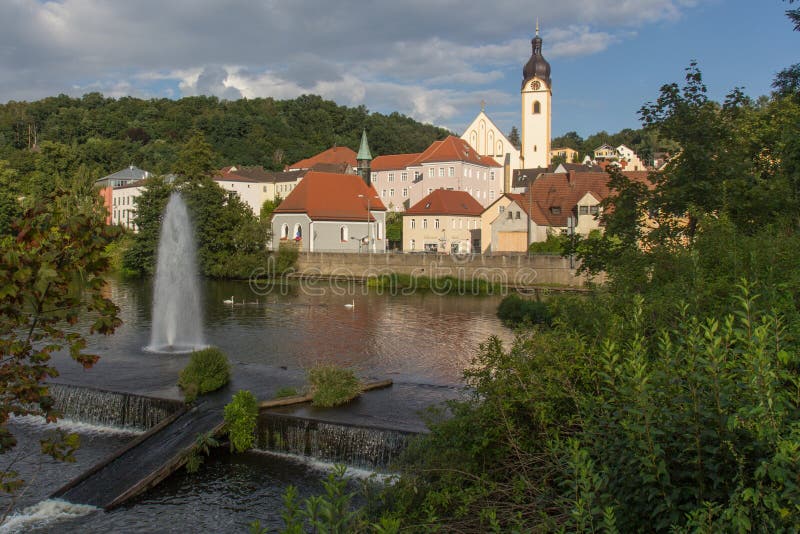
(196, 159)
(513, 137)
(140, 257)
(268, 207)
(51, 273)
(10, 207)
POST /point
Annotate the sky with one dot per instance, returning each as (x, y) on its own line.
(433, 60)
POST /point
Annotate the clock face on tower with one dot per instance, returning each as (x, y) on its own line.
(535, 85)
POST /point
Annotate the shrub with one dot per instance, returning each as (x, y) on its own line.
(555, 244)
(332, 386)
(208, 370)
(286, 258)
(241, 415)
(516, 311)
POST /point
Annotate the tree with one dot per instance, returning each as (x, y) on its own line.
(513, 137)
(787, 81)
(140, 257)
(51, 273)
(268, 207)
(394, 228)
(196, 159)
(10, 207)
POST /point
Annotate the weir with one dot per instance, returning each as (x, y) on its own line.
(364, 447)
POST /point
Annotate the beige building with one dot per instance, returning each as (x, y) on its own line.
(445, 221)
(570, 155)
(497, 208)
(484, 135)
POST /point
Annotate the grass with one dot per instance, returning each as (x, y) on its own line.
(286, 392)
(332, 386)
(208, 370)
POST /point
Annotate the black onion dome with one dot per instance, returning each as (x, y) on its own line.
(537, 65)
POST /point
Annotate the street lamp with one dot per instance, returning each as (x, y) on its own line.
(369, 226)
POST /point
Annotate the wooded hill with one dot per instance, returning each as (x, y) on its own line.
(106, 134)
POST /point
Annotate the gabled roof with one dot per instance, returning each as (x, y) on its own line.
(325, 196)
(128, 173)
(393, 162)
(453, 148)
(336, 154)
(563, 191)
(446, 202)
(235, 173)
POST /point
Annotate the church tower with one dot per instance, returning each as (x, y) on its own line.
(537, 97)
(364, 160)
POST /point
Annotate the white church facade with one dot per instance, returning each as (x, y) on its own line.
(536, 118)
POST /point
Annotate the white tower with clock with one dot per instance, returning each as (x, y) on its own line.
(537, 97)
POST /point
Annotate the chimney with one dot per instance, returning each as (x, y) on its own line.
(507, 173)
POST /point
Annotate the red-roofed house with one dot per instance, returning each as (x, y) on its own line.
(402, 180)
(331, 212)
(444, 221)
(340, 158)
(555, 203)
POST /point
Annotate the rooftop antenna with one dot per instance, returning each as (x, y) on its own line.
(537, 25)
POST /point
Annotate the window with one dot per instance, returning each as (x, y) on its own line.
(391, 177)
(265, 189)
(555, 210)
(502, 209)
(391, 192)
(298, 232)
(491, 175)
(413, 223)
(510, 214)
(491, 194)
(405, 192)
(583, 210)
(285, 231)
(454, 223)
(451, 171)
(430, 190)
(374, 176)
(593, 210)
(424, 223)
(411, 244)
(344, 233)
(441, 172)
(404, 176)
(380, 230)
(383, 193)
(537, 107)
(431, 172)
(436, 223)
(517, 217)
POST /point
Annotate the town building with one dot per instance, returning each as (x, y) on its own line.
(331, 212)
(402, 180)
(569, 155)
(444, 221)
(123, 203)
(488, 140)
(106, 186)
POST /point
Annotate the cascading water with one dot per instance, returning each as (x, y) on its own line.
(177, 321)
(362, 447)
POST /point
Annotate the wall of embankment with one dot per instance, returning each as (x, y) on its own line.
(510, 271)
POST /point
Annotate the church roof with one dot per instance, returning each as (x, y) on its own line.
(447, 202)
(332, 197)
(336, 154)
(363, 150)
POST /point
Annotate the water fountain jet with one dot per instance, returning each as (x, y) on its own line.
(177, 320)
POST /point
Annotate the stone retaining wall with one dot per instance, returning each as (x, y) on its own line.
(512, 270)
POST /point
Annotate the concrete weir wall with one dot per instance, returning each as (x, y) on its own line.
(511, 271)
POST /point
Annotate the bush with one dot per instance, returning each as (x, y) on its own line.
(285, 392)
(286, 258)
(241, 415)
(555, 244)
(516, 311)
(208, 370)
(332, 386)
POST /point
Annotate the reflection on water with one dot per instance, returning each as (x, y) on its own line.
(422, 338)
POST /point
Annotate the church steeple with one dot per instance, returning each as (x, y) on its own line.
(364, 159)
(537, 65)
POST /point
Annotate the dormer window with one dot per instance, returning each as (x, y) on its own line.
(555, 210)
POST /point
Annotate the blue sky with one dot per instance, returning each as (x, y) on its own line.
(434, 60)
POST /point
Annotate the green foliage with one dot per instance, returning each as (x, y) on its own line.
(140, 256)
(554, 244)
(285, 392)
(444, 285)
(51, 272)
(203, 444)
(516, 311)
(696, 426)
(196, 159)
(241, 415)
(268, 207)
(394, 227)
(208, 370)
(332, 386)
(286, 258)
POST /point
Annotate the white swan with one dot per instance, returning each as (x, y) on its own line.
(228, 301)
(351, 304)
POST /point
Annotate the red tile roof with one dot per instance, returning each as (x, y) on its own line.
(393, 162)
(454, 148)
(563, 191)
(326, 196)
(446, 202)
(337, 154)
